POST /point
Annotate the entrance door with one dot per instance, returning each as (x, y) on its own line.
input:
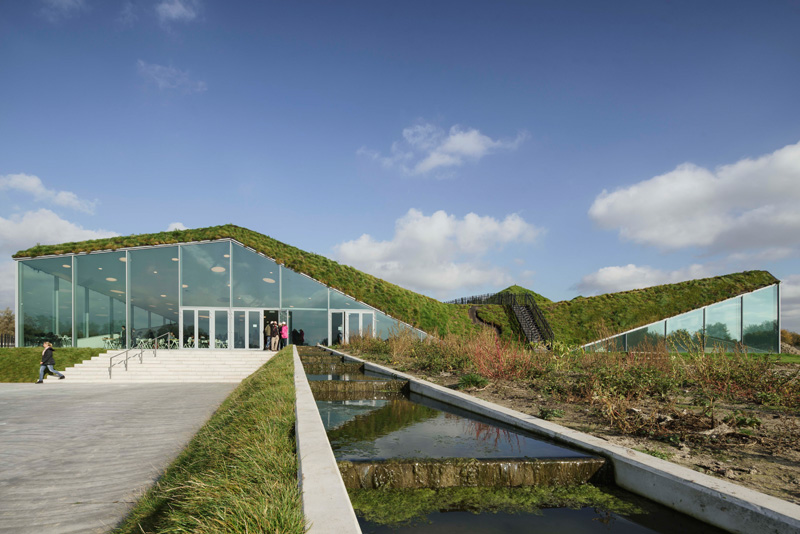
(350, 323)
(248, 329)
(204, 328)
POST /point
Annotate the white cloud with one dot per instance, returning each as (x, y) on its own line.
(625, 277)
(33, 185)
(177, 10)
(426, 148)
(128, 15)
(438, 253)
(176, 226)
(748, 204)
(790, 303)
(56, 10)
(26, 230)
(169, 78)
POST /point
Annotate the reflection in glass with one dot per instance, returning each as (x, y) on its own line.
(203, 328)
(205, 274)
(46, 301)
(154, 291)
(100, 282)
(760, 319)
(343, 302)
(685, 331)
(308, 327)
(255, 280)
(189, 335)
(723, 325)
(239, 328)
(646, 338)
(221, 329)
(366, 324)
(385, 325)
(337, 329)
(299, 291)
(254, 334)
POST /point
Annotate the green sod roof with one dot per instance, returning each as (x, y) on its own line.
(579, 320)
(418, 310)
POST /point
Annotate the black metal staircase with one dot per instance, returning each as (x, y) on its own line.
(528, 314)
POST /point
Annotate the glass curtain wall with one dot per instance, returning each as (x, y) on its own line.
(220, 292)
(760, 319)
(45, 300)
(100, 289)
(749, 322)
(154, 292)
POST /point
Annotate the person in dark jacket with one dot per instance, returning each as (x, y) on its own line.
(47, 363)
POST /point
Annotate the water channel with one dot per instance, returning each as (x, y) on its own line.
(414, 465)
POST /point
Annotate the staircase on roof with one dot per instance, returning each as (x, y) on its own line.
(176, 366)
(527, 323)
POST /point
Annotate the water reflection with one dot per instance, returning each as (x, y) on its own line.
(404, 429)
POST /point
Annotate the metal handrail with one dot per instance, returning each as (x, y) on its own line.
(513, 299)
(125, 361)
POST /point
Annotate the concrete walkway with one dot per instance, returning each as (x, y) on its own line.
(75, 457)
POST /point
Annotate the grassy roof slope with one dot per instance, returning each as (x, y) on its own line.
(519, 290)
(423, 312)
(582, 320)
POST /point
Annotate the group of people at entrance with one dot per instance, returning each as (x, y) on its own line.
(276, 335)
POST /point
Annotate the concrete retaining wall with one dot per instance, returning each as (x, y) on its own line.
(714, 501)
(325, 502)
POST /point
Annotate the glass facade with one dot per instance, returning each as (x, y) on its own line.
(207, 295)
(748, 322)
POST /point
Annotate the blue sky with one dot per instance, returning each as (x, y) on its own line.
(451, 147)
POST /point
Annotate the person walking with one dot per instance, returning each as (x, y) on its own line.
(276, 335)
(267, 336)
(47, 363)
(284, 335)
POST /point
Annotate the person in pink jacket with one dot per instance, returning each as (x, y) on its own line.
(284, 334)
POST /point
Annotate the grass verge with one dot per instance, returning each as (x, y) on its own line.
(22, 364)
(239, 473)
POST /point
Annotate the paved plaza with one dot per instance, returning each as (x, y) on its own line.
(75, 457)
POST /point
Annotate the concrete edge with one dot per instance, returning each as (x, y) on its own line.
(326, 504)
(712, 500)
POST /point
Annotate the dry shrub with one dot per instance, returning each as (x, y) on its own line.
(494, 358)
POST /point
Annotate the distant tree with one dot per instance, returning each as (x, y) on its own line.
(791, 338)
(7, 321)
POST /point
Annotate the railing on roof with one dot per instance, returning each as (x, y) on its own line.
(513, 299)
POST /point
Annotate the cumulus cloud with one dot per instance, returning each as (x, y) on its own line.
(56, 10)
(438, 253)
(748, 204)
(169, 78)
(426, 148)
(169, 11)
(22, 231)
(176, 226)
(790, 303)
(625, 277)
(33, 185)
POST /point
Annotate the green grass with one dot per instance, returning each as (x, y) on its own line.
(239, 473)
(519, 290)
(582, 320)
(22, 364)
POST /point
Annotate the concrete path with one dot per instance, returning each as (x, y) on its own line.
(75, 457)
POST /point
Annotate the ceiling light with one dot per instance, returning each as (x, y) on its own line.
(174, 259)
(99, 268)
(184, 285)
(163, 296)
(226, 255)
(118, 291)
(123, 259)
(155, 272)
(268, 280)
(218, 269)
(67, 266)
(109, 279)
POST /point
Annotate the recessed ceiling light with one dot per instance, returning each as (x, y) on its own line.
(109, 279)
(155, 272)
(268, 280)
(99, 268)
(174, 259)
(123, 259)
(218, 269)
(67, 266)
(226, 255)
(164, 296)
(184, 285)
(118, 291)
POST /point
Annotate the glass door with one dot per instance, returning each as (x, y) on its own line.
(348, 323)
(204, 328)
(337, 329)
(248, 329)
